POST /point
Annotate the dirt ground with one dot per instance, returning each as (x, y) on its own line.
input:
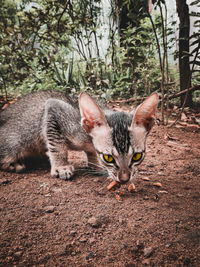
(50, 222)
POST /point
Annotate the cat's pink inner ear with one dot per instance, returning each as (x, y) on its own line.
(145, 113)
(87, 125)
(91, 114)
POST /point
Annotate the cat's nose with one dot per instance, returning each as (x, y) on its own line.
(124, 176)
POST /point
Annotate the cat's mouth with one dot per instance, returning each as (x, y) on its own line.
(127, 176)
(123, 182)
(124, 176)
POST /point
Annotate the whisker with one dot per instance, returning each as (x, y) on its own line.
(112, 176)
(88, 171)
(103, 173)
(134, 175)
(96, 165)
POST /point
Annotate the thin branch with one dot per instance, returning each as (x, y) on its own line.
(187, 90)
(157, 40)
(59, 19)
(81, 52)
(163, 62)
(134, 99)
(191, 89)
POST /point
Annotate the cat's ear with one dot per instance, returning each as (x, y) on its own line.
(92, 117)
(144, 115)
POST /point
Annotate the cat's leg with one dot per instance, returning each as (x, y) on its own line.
(58, 153)
(10, 150)
(17, 167)
(13, 151)
(10, 163)
(60, 167)
(56, 141)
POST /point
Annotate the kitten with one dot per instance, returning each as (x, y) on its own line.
(51, 123)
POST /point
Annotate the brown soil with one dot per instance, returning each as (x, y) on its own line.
(50, 222)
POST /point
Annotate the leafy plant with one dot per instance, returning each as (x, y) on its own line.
(48, 44)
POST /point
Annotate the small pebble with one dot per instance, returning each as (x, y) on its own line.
(160, 173)
(68, 249)
(94, 222)
(49, 209)
(139, 244)
(92, 240)
(83, 239)
(145, 179)
(18, 254)
(89, 256)
(47, 195)
(73, 233)
(179, 195)
(148, 252)
(157, 184)
(122, 220)
(146, 262)
(57, 190)
(5, 182)
(162, 192)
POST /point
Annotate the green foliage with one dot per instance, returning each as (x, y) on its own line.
(135, 63)
(195, 45)
(36, 42)
(48, 44)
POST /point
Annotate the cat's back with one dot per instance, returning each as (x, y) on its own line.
(23, 119)
(30, 105)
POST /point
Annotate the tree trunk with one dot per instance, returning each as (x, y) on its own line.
(129, 14)
(124, 20)
(184, 66)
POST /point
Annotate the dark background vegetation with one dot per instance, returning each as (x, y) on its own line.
(48, 44)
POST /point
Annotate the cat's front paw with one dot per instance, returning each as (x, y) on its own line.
(63, 172)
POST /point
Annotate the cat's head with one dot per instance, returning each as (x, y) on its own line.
(119, 138)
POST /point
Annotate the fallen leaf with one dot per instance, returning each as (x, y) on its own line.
(197, 121)
(12, 102)
(5, 106)
(193, 125)
(8, 104)
(183, 117)
(157, 184)
(131, 188)
(145, 179)
(118, 197)
(182, 123)
(113, 184)
(169, 137)
(178, 126)
(175, 108)
(162, 192)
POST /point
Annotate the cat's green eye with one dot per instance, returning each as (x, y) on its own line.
(137, 157)
(108, 158)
